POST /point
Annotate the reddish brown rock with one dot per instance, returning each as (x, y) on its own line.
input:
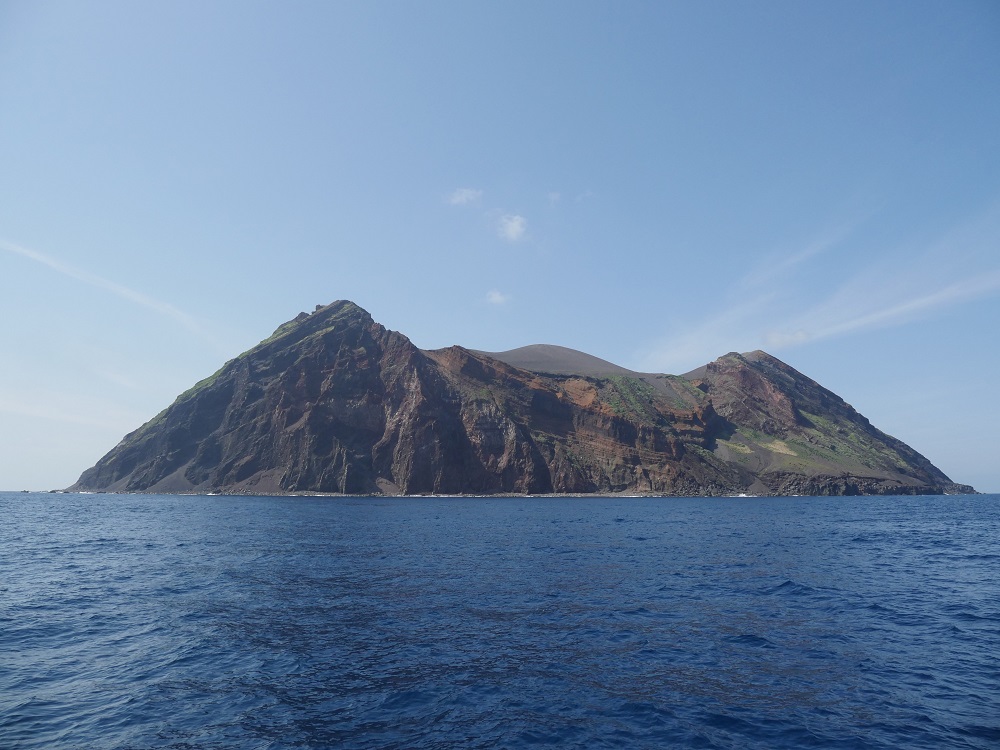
(333, 402)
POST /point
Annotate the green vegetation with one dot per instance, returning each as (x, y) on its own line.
(753, 436)
(705, 453)
(329, 319)
(563, 421)
(683, 385)
(852, 443)
(574, 460)
(203, 384)
(630, 397)
(281, 330)
(544, 440)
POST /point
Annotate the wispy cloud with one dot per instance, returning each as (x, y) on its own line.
(779, 265)
(512, 227)
(692, 345)
(138, 298)
(831, 319)
(771, 307)
(116, 377)
(495, 297)
(463, 196)
(509, 226)
(77, 409)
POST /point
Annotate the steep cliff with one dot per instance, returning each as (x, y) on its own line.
(333, 402)
(798, 438)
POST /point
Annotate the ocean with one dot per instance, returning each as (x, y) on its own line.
(137, 621)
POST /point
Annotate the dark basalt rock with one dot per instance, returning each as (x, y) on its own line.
(333, 402)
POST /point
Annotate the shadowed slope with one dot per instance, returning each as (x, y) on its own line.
(333, 402)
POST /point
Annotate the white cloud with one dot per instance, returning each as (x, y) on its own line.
(829, 319)
(785, 339)
(771, 308)
(164, 308)
(773, 268)
(693, 344)
(512, 227)
(495, 297)
(117, 378)
(70, 409)
(463, 196)
(554, 198)
(764, 322)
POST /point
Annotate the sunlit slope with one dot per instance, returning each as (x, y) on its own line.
(800, 437)
(333, 402)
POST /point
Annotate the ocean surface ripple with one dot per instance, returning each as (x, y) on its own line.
(130, 621)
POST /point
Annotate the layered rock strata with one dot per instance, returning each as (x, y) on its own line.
(333, 402)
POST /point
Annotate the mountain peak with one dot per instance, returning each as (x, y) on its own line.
(332, 402)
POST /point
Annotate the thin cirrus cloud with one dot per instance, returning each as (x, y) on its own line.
(890, 294)
(773, 270)
(828, 320)
(883, 294)
(464, 196)
(58, 407)
(496, 297)
(138, 298)
(763, 321)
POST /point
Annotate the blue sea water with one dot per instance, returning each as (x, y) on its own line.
(130, 621)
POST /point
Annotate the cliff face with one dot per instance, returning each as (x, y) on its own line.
(333, 402)
(798, 438)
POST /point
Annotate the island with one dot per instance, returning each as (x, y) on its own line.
(334, 403)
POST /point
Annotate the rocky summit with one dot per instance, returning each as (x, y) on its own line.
(333, 402)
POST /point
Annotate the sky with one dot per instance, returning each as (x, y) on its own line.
(655, 183)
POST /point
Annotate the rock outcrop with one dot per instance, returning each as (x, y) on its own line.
(333, 402)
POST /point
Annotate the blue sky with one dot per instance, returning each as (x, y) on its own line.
(655, 183)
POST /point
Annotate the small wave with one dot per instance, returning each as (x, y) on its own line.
(407, 700)
(790, 588)
(981, 732)
(973, 617)
(749, 639)
(352, 624)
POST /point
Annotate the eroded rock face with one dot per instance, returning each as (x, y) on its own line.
(333, 402)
